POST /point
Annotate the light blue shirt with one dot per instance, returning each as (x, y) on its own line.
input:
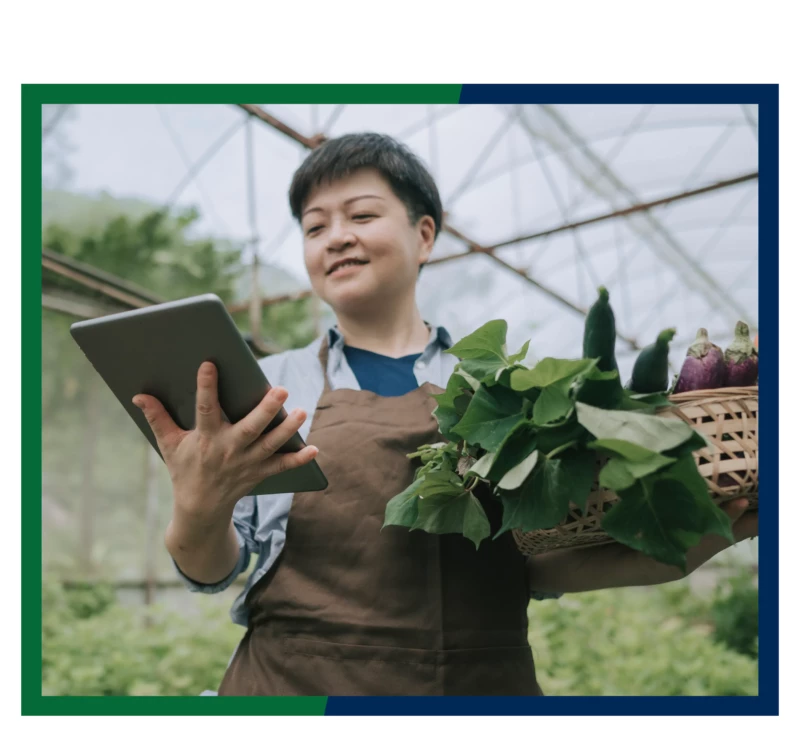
(260, 521)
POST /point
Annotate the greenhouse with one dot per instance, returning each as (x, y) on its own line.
(543, 205)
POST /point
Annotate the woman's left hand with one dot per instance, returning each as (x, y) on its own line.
(744, 525)
(615, 564)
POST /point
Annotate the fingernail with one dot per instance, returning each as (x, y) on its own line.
(137, 403)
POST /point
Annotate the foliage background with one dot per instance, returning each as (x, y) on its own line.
(665, 641)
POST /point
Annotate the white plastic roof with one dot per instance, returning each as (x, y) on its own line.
(503, 172)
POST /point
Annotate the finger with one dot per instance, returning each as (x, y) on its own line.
(275, 439)
(746, 526)
(250, 428)
(281, 462)
(208, 414)
(736, 508)
(162, 425)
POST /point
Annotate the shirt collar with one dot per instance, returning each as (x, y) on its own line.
(426, 367)
(440, 339)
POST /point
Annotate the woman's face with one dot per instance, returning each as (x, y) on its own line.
(360, 218)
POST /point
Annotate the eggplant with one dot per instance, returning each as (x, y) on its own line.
(704, 366)
(741, 358)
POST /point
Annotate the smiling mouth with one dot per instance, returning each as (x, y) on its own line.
(346, 264)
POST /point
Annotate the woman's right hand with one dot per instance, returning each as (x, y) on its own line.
(217, 463)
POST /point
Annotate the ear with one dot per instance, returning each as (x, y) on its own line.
(427, 236)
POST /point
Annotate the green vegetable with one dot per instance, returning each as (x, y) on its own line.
(600, 332)
(536, 436)
(651, 370)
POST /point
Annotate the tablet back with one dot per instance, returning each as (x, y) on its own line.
(158, 350)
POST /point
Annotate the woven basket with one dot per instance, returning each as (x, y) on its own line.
(727, 417)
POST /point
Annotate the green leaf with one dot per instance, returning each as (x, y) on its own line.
(447, 419)
(482, 466)
(503, 377)
(521, 355)
(491, 415)
(615, 475)
(718, 523)
(527, 408)
(519, 474)
(557, 436)
(665, 515)
(658, 399)
(454, 512)
(452, 404)
(402, 509)
(655, 433)
(554, 403)
(457, 386)
(698, 441)
(577, 471)
(543, 500)
(473, 382)
(487, 341)
(620, 473)
(684, 471)
(629, 451)
(660, 518)
(514, 449)
(549, 371)
(484, 357)
(443, 481)
(632, 405)
(483, 370)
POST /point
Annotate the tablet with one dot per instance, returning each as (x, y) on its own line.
(158, 350)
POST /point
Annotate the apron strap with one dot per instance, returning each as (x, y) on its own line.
(323, 359)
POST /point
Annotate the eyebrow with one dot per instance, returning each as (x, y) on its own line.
(346, 202)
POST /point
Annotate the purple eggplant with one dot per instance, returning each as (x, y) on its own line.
(741, 358)
(704, 366)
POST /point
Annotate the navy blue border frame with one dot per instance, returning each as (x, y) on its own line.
(766, 703)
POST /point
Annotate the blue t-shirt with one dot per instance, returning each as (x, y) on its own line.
(383, 375)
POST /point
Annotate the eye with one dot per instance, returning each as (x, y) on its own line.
(363, 215)
(313, 229)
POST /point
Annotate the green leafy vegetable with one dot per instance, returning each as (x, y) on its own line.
(654, 433)
(454, 511)
(537, 437)
(491, 415)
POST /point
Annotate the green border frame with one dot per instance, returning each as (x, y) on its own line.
(33, 97)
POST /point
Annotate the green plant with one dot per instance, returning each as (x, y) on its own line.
(119, 651)
(639, 642)
(735, 614)
(535, 437)
(634, 642)
(89, 599)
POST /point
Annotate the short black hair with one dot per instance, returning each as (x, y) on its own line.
(340, 157)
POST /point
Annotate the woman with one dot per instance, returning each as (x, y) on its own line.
(336, 605)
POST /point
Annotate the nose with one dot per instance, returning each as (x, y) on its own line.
(339, 236)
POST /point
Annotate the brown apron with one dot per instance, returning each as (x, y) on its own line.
(350, 609)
